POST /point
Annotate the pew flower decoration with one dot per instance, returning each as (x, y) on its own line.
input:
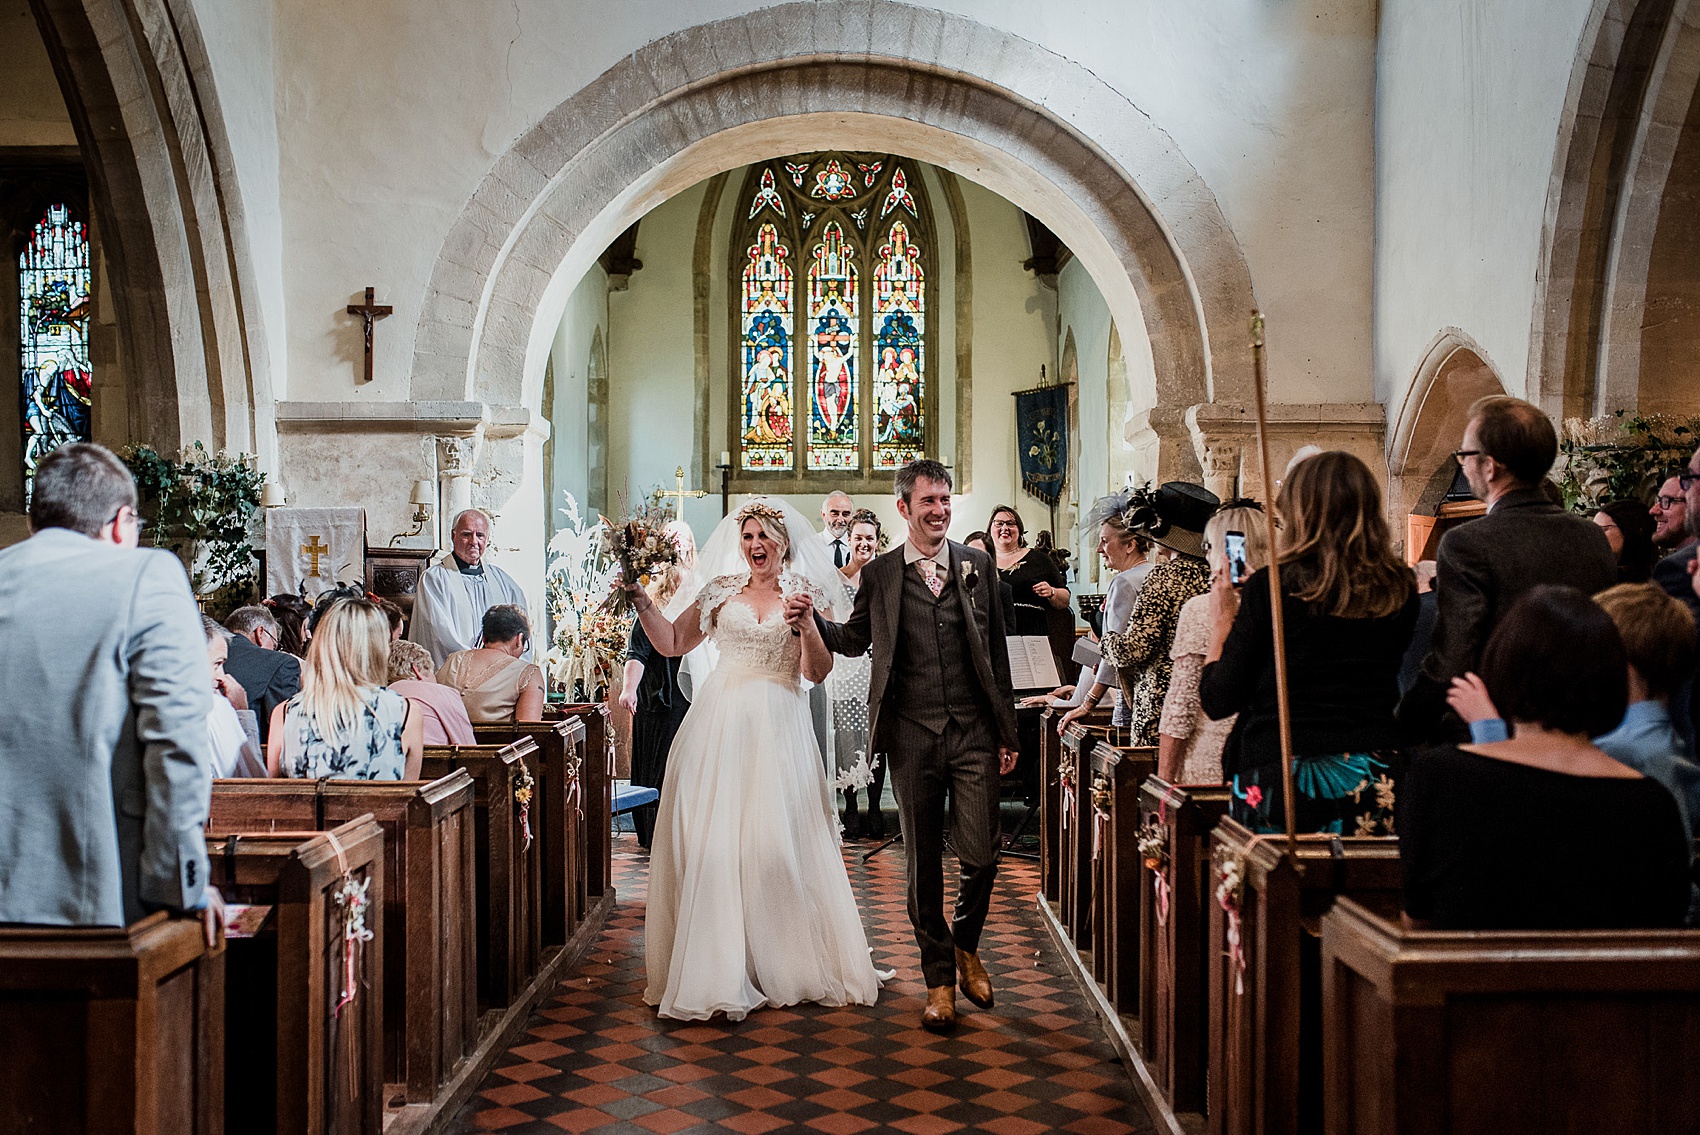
(351, 901)
(1230, 889)
(588, 641)
(524, 787)
(1065, 778)
(1103, 802)
(859, 775)
(643, 549)
(1154, 855)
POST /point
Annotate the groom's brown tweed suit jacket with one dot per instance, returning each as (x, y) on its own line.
(874, 624)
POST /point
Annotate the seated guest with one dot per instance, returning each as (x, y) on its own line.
(393, 613)
(496, 681)
(1189, 744)
(344, 723)
(1173, 518)
(268, 674)
(1349, 604)
(1483, 834)
(1629, 530)
(443, 710)
(231, 728)
(291, 613)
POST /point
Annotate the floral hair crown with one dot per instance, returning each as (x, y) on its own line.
(767, 514)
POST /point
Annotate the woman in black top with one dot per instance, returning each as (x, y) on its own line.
(651, 692)
(1544, 831)
(1350, 605)
(1033, 575)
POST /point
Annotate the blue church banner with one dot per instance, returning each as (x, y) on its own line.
(1041, 438)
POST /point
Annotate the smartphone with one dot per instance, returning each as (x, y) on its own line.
(1233, 548)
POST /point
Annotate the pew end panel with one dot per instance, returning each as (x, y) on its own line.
(1174, 920)
(1470, 1032)
(558, 818)
(1074, 810)
(1118, 898)
(596, 786)
(294, 1051)
(1264, 994)
(112, 1029)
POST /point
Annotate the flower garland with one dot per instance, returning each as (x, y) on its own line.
(1230, 890)
(1065, 777)
(352, 901)
(1154, 854)
(524, 788)
(1103, 803)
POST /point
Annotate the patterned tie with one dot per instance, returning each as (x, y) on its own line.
(930, 573)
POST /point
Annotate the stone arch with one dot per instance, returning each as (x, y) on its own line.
(952, 92)
(138, 85)
(1453, 373)
(1630, 95)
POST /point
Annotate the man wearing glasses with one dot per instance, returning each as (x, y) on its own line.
(105, 762)
(1485, 565)
(268, 675)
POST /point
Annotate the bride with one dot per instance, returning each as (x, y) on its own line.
(749, 902)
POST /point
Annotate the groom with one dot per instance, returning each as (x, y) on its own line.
(940, 708)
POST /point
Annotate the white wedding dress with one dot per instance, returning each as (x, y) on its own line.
(749, 902)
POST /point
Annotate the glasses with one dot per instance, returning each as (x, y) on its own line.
(1005, 524)
(1458, 455)
(141, 525)
(1665, 504)
(1685, 481)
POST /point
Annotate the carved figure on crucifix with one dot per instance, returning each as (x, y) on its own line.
(369, 312)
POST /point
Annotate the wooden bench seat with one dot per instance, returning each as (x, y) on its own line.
(1472, 1033)
(1117, 895)
(1265, 995)
(293, 1052)
(596, 791)
(430, 896)
(557, 818)
(1174, 919)
(1074, 825)
(112, 1030)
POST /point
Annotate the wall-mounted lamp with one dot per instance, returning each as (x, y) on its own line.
(423, 499)
(272, 495)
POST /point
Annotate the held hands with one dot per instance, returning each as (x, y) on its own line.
(800, 611)
(1469, 699)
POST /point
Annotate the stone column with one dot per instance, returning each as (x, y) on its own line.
(456, 455)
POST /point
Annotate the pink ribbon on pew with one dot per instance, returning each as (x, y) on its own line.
(573, 796)
(1068, 801)
(1099, 822)
(1235, 951)
(1160, 884)
(351, 899)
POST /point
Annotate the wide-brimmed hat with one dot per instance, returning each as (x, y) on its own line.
(1174, 516)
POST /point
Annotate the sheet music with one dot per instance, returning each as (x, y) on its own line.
(1031, 664)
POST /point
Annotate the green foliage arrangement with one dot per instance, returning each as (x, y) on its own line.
(1621, 456)
(200, 505)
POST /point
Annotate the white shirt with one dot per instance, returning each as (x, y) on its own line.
(834, 543)
(234, 751)
(914, 555)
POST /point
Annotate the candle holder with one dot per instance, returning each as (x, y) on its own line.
(725, 468)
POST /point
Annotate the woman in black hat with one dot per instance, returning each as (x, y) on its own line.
(1173, 518)
(1349, 606)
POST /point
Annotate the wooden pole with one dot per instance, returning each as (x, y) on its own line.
(1283, 711)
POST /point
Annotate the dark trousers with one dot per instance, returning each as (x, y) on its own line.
(961, 762)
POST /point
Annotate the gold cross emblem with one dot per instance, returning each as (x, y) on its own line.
(314, 549)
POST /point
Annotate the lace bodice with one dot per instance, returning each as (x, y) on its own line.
(744, 641)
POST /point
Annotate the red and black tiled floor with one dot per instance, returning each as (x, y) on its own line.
(596, 1058)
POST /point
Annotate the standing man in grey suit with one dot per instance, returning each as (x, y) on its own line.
(941, 708)
(104, 763)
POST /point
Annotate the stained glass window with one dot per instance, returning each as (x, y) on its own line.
(814, 224)
(900, 323)
(768, 416)
(53, 286)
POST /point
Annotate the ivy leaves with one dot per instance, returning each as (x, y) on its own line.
(200, 505)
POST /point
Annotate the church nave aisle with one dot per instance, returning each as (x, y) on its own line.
(598, 1059)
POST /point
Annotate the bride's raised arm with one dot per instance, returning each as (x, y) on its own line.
(672, 639)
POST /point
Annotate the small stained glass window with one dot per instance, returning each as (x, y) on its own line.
(54, 301)
(819, 230)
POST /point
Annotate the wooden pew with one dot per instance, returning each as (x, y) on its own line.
(1074, 809)
(115, 1030)
(596, 785)
(1050, 801)
(1173, 923)
(295, 1058)
(1118, 893)
(1265, 995)
(557, 818)
(1431, 1032)
(506, 860)
(430, 957)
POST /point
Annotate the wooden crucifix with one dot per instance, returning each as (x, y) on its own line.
(369, 312)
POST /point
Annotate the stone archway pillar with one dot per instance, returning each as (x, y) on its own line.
(1224, 436)
(457, 454)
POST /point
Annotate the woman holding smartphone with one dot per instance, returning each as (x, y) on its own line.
(1189, 744)
(1349, 605)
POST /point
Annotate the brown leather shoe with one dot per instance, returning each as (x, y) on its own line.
(940, 1014)
(975, 985)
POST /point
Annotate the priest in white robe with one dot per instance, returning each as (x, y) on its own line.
(448, 614)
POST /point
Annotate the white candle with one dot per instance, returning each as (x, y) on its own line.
(726, 457)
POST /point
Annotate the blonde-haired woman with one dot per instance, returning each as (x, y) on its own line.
(344, 723)
(1189, 744)
(1349, 605)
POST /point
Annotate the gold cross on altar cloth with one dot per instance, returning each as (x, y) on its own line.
(314, 549)
(679, 494)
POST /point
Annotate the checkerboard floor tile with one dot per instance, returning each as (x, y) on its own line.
(596, 1058)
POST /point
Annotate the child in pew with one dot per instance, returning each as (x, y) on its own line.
(1544, 831)
(344, 723)
(1658, 637)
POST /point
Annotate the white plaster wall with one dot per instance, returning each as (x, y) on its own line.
(389, 114)
(241, 48)
(1469, 98)
(32, 111)
(1081, 310)
(587, 312)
